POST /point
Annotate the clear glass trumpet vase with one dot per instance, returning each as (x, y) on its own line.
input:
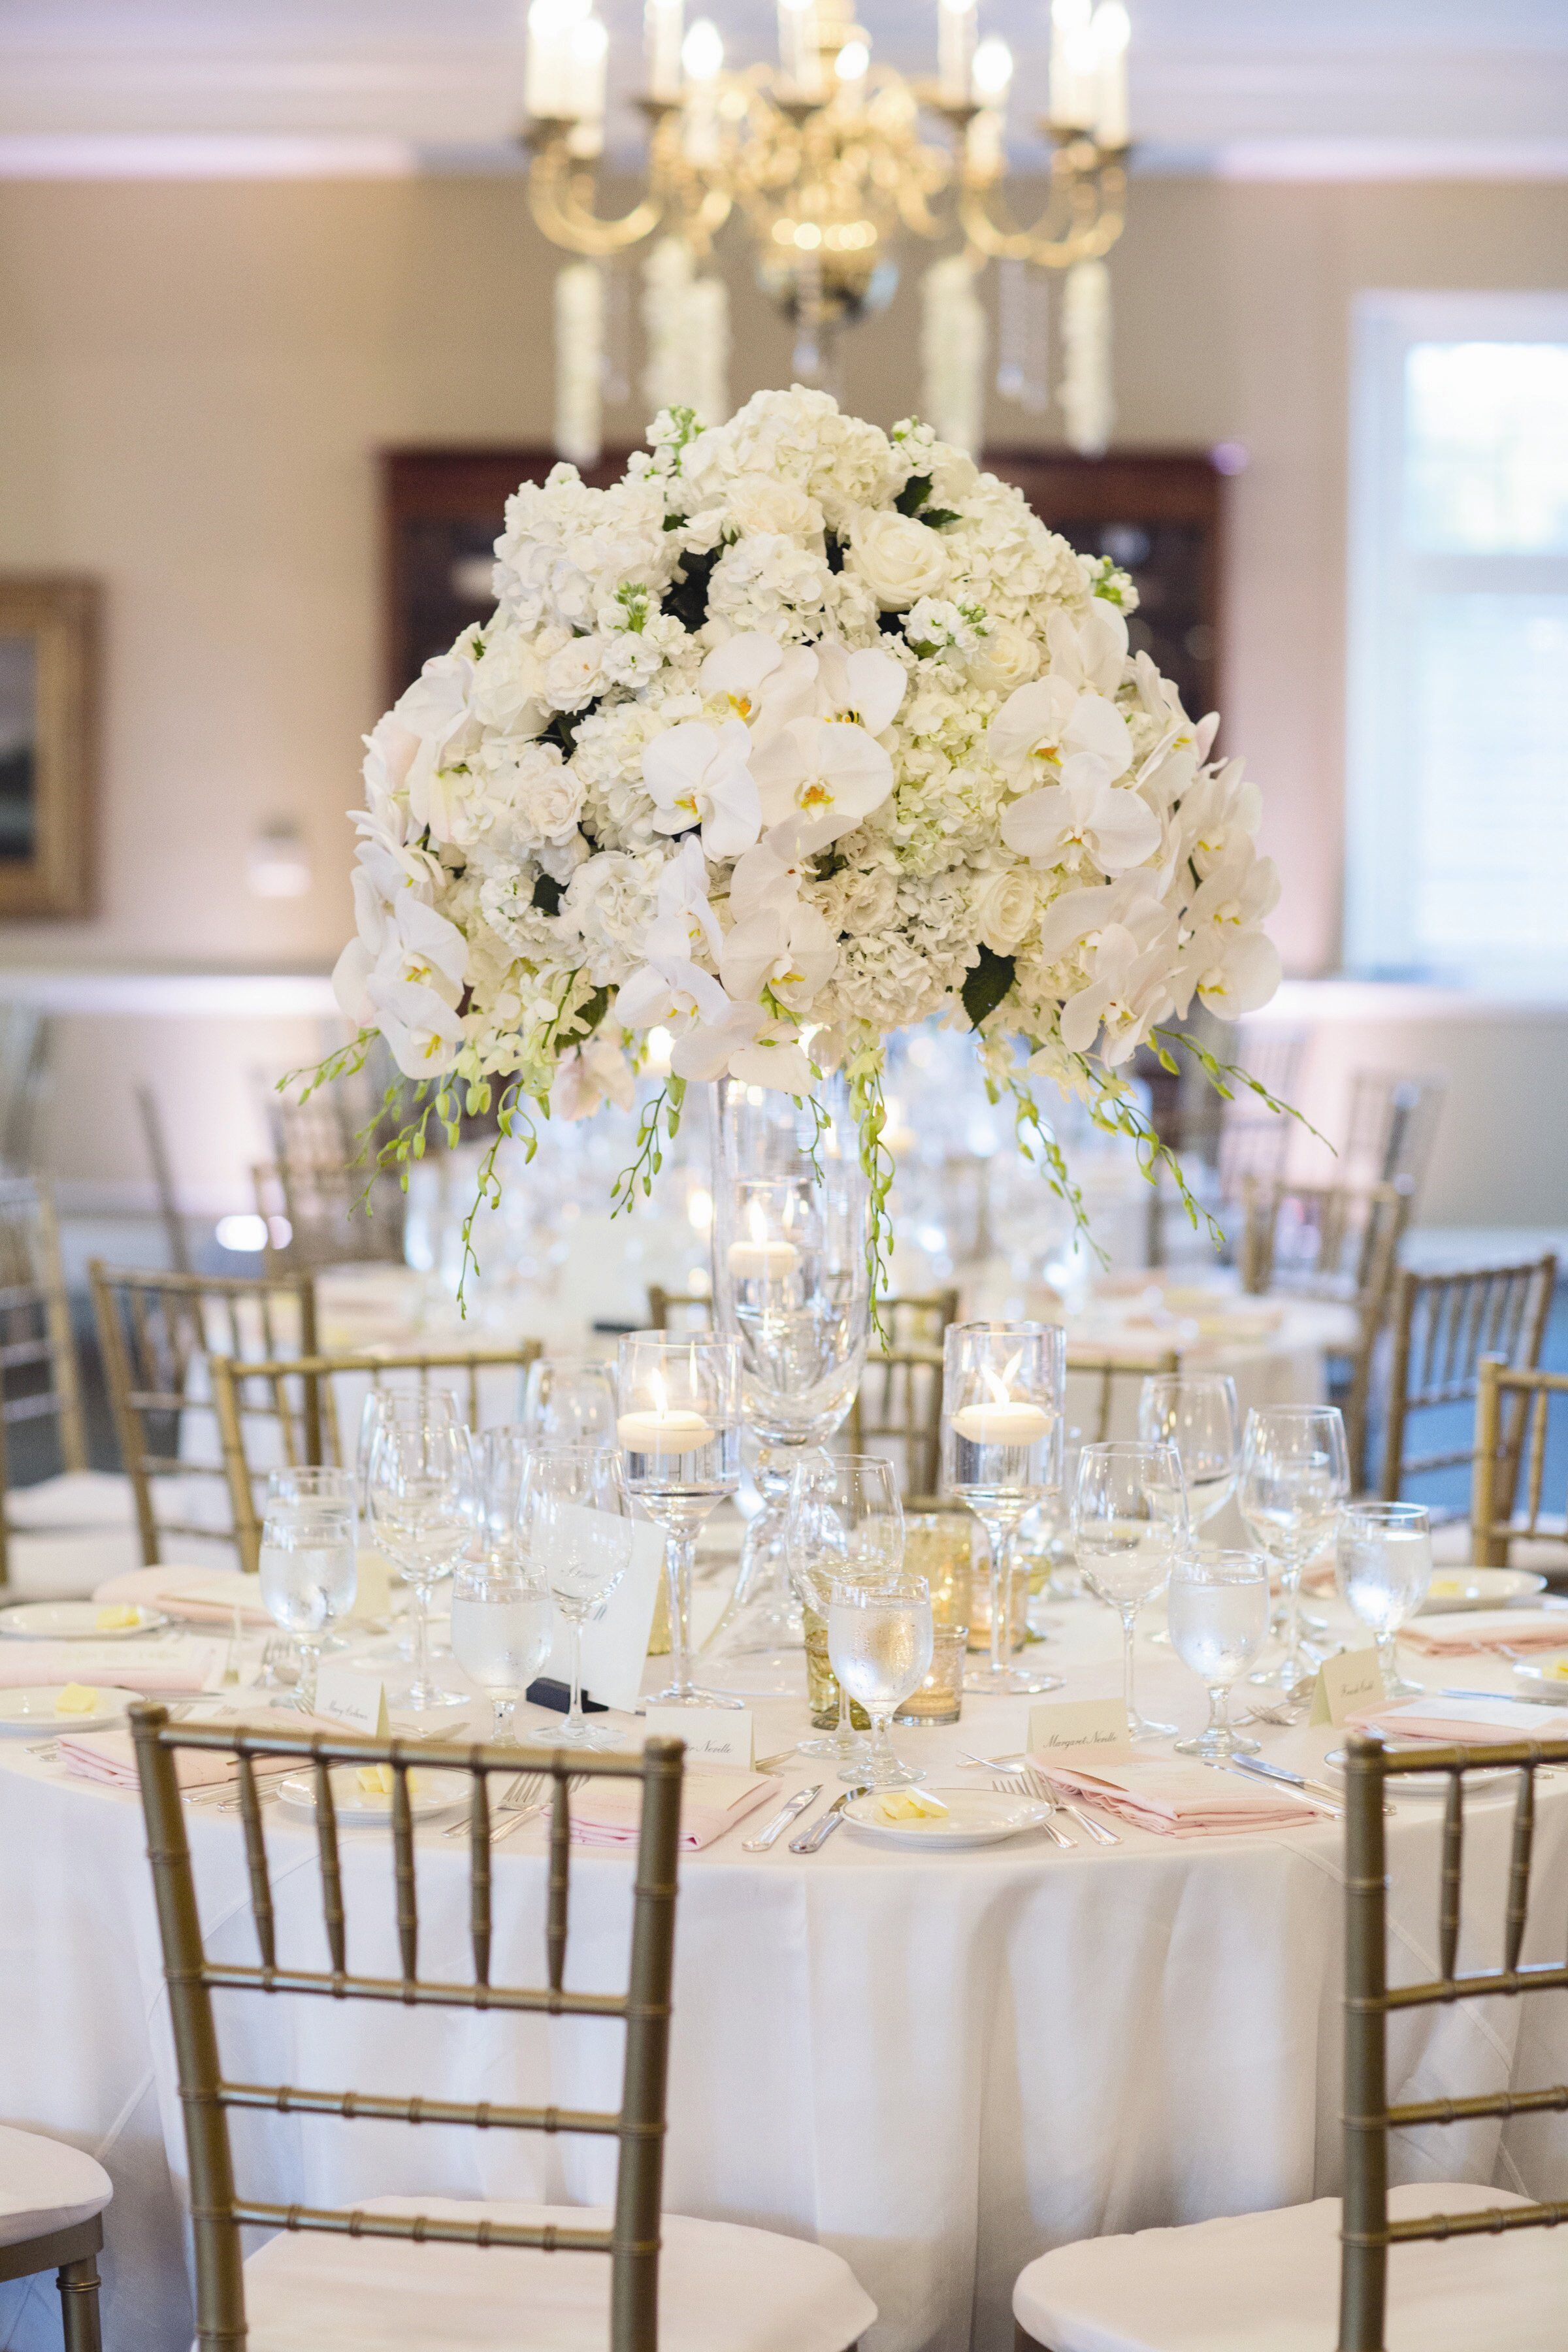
(790, 1215)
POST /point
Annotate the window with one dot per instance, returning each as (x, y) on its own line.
(1457, 816)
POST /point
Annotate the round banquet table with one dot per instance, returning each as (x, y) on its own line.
(939, 2064)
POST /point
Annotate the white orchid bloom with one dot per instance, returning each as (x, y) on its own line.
(867, 687)
(1091, 651)
(764, 683)
(830, 773)
(1244, 890)
(439, 709)
(670, 993)
(1128, 990)
(775, 1058)
(711, 1049)
(684, 923)
(1084, 820)
(1219, 817)
(1041, 725)
(1234, 971)
(588, 1075)
(1077, 919)
(404, 942)
(788, 949)
(698, 775)
(420, 1026)
(771, 873)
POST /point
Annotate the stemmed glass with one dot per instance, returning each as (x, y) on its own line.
(880, 1645)
(1130, 1522)
(577, 1528)
(1000, 1452)
(570, 1401)
(846, 1526)
(1295, 1479)
(308, 1565)
(680, 1431)
(1218, 1605)
(423, 1505)
(1382, 1566)
(500, 1630)
(1198, 1415)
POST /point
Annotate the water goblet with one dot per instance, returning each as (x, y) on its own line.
(578, 1528)
(1198, 1413)
(845, 1525)
(570, 1400)
(1295, 1479)
(306, 1562)
(503, 1455)
(1382, 1566)
(1217, 1607)
(423, 1506)
(500, 1630)
(679, 1431)
(1130, 1522)
(879, 1644)
(1000, 1452)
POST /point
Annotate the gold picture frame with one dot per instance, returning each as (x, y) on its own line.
(49, 647)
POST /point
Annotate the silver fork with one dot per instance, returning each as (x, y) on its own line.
(1038, 1786)
(1012, 1784)
(522, 1796)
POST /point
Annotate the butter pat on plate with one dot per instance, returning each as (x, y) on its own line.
(76, 1698)
(118, 1619)
(910, 1805)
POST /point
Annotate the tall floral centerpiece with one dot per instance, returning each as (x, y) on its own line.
(800, 734)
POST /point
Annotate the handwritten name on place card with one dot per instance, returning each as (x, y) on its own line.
(1079, 1727)
(347, 1694)
(713, 1735)
(1345, 1685)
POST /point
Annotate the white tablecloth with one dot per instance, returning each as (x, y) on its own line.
(939, 2065)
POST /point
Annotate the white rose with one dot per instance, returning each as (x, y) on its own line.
(1005, 905)
(860, 903)
(549, 798)
(760, 502)
(899, 559)
(1004, 659)
(577, 674)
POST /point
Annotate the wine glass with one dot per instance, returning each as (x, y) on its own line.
(570, 1400)
(845, 1526)
(1295, 1479)
(578, 1528)
(423, 1506)
(1198, 1413)
(308, 1563)
(1001, 1451)
(503, 1457)
(1130, 1521)
(680, 1431)
(1382, 1566)
(1218, 1608)
(880, 1645)
(500, 1630)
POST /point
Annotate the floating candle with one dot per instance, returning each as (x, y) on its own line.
(771, 1260)
(669, 1432)
(1013, 1421)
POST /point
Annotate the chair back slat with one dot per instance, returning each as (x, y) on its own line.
(1513, 1426)
(1444, 1325)
(261, 1909)
(218, 2211)
(1453, 1859)
(1518, 1863)
(39, 1378)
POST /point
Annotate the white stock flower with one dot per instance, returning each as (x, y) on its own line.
(509, 691)
(828, 772)
(859, 900)
(699, 774)
(1083, 820)
(1044, 723)
(899, 559)
(762, 502)
(608, 905)
(577, 674)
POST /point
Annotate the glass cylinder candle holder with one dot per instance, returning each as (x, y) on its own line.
(679, 1425)
(1001, 1453)
(940, 1699)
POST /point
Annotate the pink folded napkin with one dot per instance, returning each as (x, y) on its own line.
(609, 1812)
(1174, 1798)
(176, 1666)
(197, 1596)
(1466, 1633)
(109, 1756)
(1472, 1720)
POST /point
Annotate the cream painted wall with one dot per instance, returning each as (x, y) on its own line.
(195, 377)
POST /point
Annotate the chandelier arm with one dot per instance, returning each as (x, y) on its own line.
(1098, 213)
(560, 196)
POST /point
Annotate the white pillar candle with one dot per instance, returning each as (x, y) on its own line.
(671, 1431)
(1072, 65)
(955, 42)
(771, 1260)
(665, 25)
(1111, 31)
(1014, 1422)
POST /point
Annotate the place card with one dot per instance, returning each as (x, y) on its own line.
(373, 1584)
(1082, 1728)
(614, 1647)
(352, 1696)
(1346, 1686)
(713, 1735)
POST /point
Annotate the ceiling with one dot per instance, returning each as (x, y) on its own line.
(1339, 88)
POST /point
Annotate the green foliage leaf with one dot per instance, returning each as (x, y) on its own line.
(987, 984)
(547, 894)
(913, 494)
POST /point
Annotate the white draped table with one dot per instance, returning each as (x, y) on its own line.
(938, 2064)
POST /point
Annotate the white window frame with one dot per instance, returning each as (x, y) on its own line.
(1385, 581)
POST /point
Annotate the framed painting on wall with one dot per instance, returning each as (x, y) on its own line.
(48, 643)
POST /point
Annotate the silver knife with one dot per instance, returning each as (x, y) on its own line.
(781, 1819)
(1293, 1785)
(1264, 1770)
(821, 1830)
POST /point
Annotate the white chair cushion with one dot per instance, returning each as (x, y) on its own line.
(720, 2289)
(69, 1565)
(46, 2185)
(1270, 2282)
(77, 1498)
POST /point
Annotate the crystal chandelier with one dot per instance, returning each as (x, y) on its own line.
(825, 159)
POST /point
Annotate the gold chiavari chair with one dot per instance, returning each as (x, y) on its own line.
(898, 1404)
(1443, 1324)
(1339, 1242)
(1110, 1374)
(678, 1310)
(1438, 2265)
(1513, 1420)
(336, 1212)
(158, 1334)
(290, 1405)
(1391, 1127)
(38, 1374)
(54, 2201)
(494, 2274)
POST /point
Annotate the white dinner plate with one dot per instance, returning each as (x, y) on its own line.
(1429, 1784)
(1546, 1676)
(428, 1794)
(32, 1709)
(73, 1621)
(1477, 1587)
(973, 1817)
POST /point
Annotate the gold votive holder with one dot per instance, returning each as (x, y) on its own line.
(822, 1690)
(940, 1546)
(1017, 1607)
(940, 1699)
